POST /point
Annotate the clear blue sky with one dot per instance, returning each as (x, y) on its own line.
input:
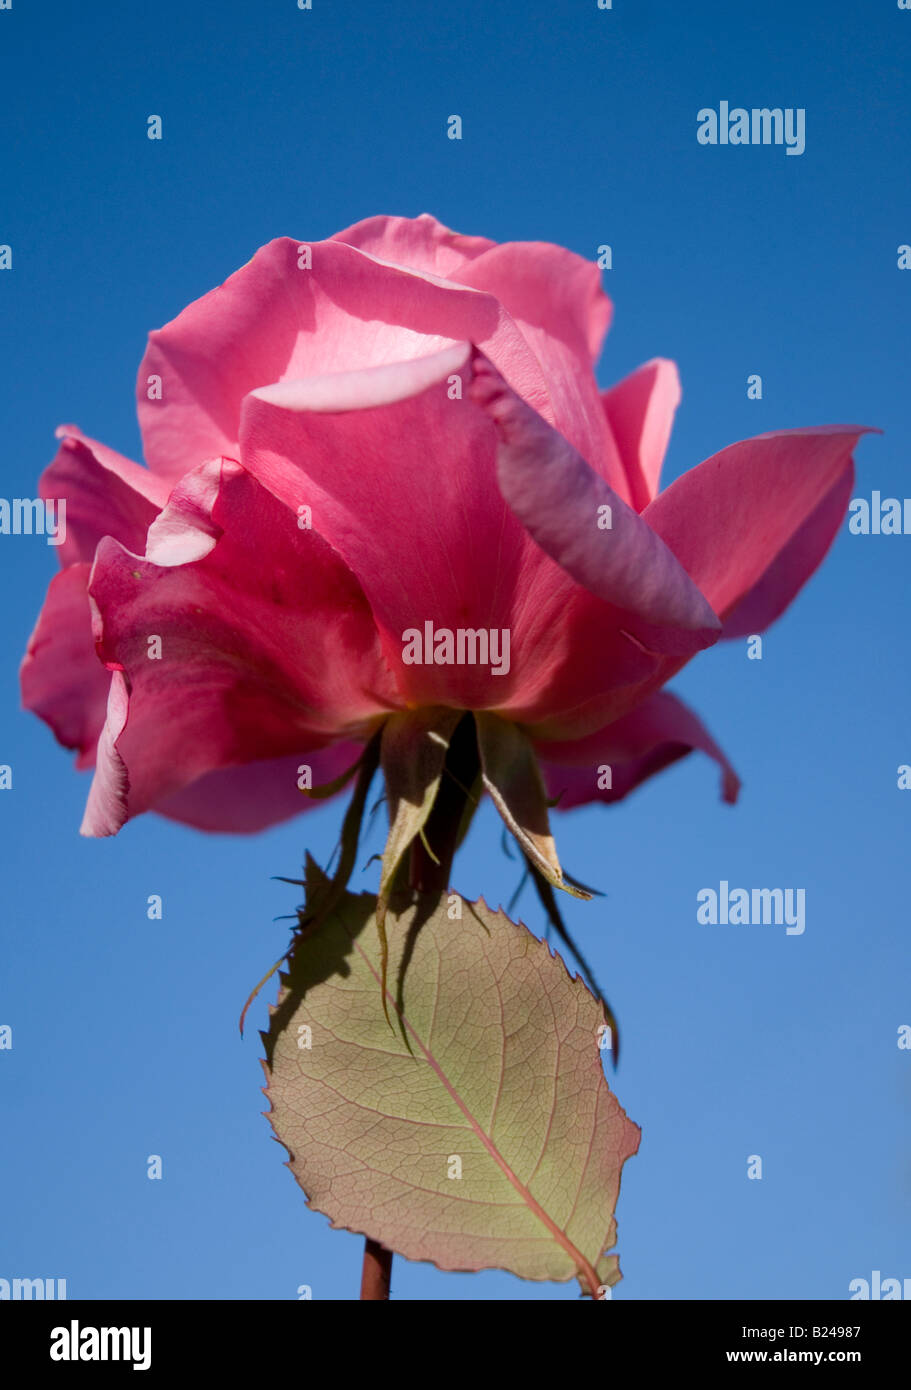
(579, 128)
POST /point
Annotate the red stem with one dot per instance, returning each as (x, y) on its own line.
(377, 1271)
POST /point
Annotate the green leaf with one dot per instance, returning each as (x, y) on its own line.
(512, 776)
(496, 1073)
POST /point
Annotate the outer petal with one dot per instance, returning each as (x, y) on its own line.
(640, 410)
(258, 660)
(241, 800)
(419, 243)
(138, 477)
(64, 683)
(107, 806)
(793, 564)
(235, 800)
(61, 677)
(106, 495)
(392, 467)
(558, 498)
(274, 320)
(657, 733)
(731, 520)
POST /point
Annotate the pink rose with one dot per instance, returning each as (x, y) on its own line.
(373, 462)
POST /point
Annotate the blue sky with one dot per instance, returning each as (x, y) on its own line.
(579, 128)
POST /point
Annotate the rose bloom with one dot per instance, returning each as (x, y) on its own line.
(359, 449)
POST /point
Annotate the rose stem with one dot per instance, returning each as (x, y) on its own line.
(377, 1271)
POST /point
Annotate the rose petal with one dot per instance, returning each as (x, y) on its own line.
(273, 320)
(558, 302)
(640, 410)
(354, 447)
(392, 467)
(557, 497)
(106, 495)
(242, 800)
(793, 564)
(107, 806)
(657, 733)
(62, 680)
(730, 518)
(257, 660)
(419, 243)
